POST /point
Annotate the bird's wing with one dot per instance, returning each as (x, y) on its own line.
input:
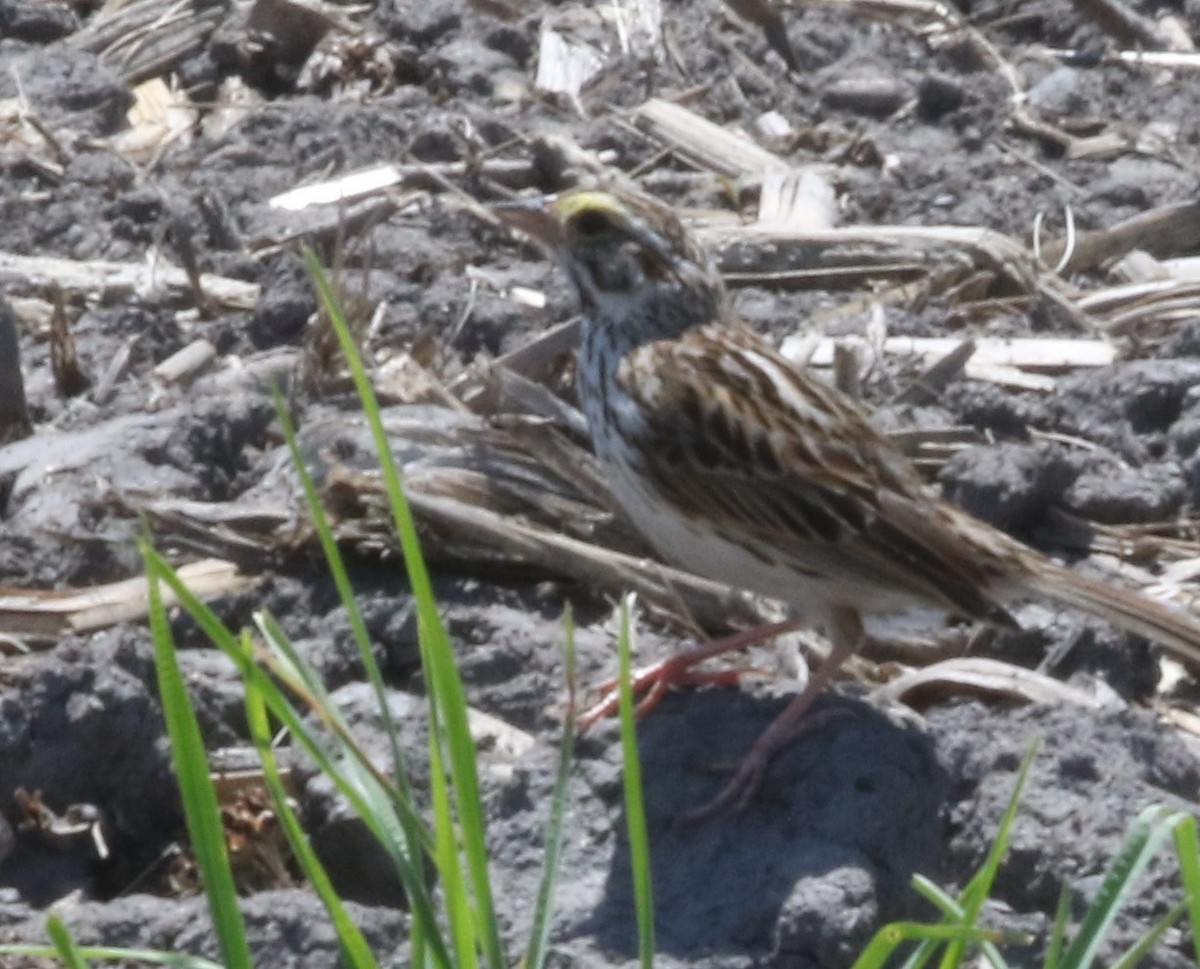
(738, 436)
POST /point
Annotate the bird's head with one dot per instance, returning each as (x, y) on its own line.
(618, 247)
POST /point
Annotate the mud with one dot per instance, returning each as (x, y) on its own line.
(920, 135)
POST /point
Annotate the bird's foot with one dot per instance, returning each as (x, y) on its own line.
(746, 775)
(744, 782)
(651, 683)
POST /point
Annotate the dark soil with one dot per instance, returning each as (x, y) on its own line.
(868, 797)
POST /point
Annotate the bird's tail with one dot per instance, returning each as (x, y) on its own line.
(1128, 609)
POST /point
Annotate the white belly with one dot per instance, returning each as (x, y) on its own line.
(679, 542)
(811, 590)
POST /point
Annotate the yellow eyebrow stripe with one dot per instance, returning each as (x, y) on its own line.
(568, 206)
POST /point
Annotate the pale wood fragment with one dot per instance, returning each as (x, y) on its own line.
(158, 118)
(99, 278)
(565, 66)
(51, 613)
(1047, 355)
(1124, 24)
(993, 677)
(366, 182)
(705, 143)
(187, 362)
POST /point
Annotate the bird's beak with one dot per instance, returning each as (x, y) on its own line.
(532, 217)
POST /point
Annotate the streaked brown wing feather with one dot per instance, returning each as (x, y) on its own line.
(740, 437)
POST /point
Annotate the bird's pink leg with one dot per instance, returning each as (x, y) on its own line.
(846, 635)
(651, 683)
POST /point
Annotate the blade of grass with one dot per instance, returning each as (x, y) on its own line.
(285, 662)
(1145, 837)
(937, 896)
(200, 809)
(391, 817)
(355, 779)
(414, 832)
(965, 910)
(953, 914)
(447, 697)
(635, 811)
(172, 960)
(539, 933)
(885, 942)
(355, 952)
(979, 888)
(1058, 931)
(298, 677)
(1142, 947)
(341, 581)
(1188, 851)
(454, 888)
(64, 945)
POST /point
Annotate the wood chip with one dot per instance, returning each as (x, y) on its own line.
(100, 279)
(1123, 23)
(159, 117)
(801, 199)
(704, 143)
(377, 179)
(973, 674)
(186, 363)
(52, 613)
(565, 66)
(639, 25)
(1038, 355)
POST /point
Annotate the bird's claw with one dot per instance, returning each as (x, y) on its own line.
(739, 790)
(651, 683)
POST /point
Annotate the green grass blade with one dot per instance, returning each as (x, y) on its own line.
(289, 666)
(356, 779)
(410, 840)
(447, 697)
(1142, 947)
(448, 723)
(64, 945)
(953, 914)
(172, 960)
(356, 954)
(937, 896)
(979, 888)
(296, 674)
(454, 888)
(539, 935)
(195, 785)
(635, 810)
(390, 816)
(1058, 931)
(341, 580)
(1188, 851)
(1145, 837)
(887, 940)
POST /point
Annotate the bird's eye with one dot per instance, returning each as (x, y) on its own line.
(591, 223)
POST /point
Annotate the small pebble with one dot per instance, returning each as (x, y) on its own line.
(937, 95)
(875, 97)
(774, 125)
(1057, 92)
